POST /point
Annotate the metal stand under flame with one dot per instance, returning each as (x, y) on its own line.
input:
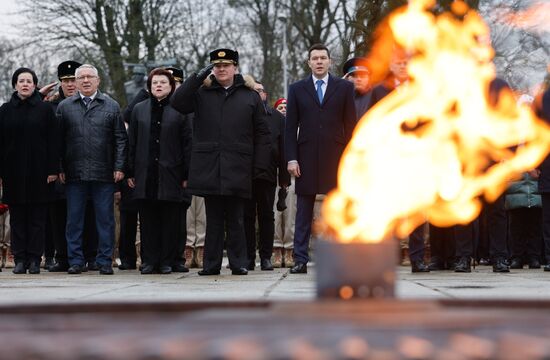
(355, 270)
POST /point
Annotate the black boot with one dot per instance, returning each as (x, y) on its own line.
(419, 266)
(499, 266)
(34, 267)
(463, 265)
(20, 268)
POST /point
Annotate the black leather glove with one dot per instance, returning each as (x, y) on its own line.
(281, 205)
(204, 72)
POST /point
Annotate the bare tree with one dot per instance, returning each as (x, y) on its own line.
(122, 30)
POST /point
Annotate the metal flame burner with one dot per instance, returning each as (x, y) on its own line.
(355, 270)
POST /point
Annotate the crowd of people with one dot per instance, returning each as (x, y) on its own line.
(192, 168)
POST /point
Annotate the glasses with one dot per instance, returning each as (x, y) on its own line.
(86, 77)
(260, 90)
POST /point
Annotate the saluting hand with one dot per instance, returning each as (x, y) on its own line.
(132, 182)
(51, 178)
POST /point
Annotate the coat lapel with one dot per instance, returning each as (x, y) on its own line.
(331, 88)
(308, 85)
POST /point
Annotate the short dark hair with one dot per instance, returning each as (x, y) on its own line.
(20, 71)
(318, 46)
(160, 72)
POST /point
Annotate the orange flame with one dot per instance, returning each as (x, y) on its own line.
(430, 149)
(536, 18)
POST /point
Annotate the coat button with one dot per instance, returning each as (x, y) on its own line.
(158, 141)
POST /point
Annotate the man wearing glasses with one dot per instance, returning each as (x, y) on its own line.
(95, 147)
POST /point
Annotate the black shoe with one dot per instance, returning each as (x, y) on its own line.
(205, 272)
(546, 267)
(127, 266)
(34, 268)
(48, 263)
(251, 265)
(265, 265)
(165, 269)
(106, 270)
(419, 266)
(239, 271)
(59, 267)
(179, 268)
(516, 264)
(463, 265)
(92, 266)
(147, 269)
(19, 268)
(534, 264)
(299, 269)
(74, 269)
(500, 266)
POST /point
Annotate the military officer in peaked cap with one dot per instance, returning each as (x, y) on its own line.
(231, 143)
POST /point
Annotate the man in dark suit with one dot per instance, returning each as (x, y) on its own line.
(320, 120)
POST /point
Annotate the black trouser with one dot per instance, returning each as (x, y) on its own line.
(159, 224)
(127, 240)
(58, 221)
(263, 197)
(526, 233)
(497, 229)
(224, 212)
(442, 244)
(464, 239)
(416, 244)
(28, 229)
(546, 225)
(49, 242)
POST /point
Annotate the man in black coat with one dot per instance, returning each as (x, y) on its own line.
(321, 107)
(230, 142)
(263, 190)
(542, 107)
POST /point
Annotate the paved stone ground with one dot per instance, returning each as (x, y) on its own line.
(47, 287)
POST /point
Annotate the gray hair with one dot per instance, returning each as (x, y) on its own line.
(86, 66)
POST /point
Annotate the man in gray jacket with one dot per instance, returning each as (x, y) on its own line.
(95, 147)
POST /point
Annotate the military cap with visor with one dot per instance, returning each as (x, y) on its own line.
(224, 56)
(177, 73)
(67, 69)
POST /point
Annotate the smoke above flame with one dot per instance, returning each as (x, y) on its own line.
(431, 149)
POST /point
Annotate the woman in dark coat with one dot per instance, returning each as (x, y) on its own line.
(160, 148)
(29, 155)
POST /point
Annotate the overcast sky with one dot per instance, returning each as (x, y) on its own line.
(7, 19)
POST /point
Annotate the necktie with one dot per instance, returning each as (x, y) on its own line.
(320, 90)
(87, 101)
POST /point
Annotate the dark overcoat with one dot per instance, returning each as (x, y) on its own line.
(543, 111)
(175, 152)
(29, 149)
(325, 130)
(276, 172)
(230, 136)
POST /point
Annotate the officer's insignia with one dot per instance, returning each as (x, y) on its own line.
(221, 54)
